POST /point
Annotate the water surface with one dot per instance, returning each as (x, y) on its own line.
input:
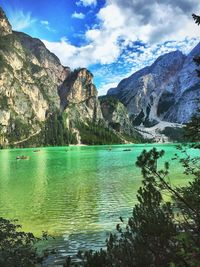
(75, 193)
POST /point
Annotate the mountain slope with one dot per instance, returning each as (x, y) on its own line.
(166, 90)
(43, 102)
(34, 84)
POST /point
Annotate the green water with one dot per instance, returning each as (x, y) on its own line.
(75, 193)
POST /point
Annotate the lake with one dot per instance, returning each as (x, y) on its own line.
(75, 193)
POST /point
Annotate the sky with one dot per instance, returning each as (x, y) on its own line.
(112, 38)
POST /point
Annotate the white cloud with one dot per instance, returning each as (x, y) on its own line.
(87, 2)
(70, 55)
(134, 61)
(44, 22)
(47, 26)
(20, 20)
(162, 27)
(130, 21)
(78, 15)
(147, 21)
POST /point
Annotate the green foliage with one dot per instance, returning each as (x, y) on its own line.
(97, 134)
(197, 59)
(174, 134)
(7, 42)
(135, 138)
(18, 130)
(55, 131)
(16, 247)
(196, 19)
(109, 100)
(4, 64)
(192, 128)
(4, 102)
(159, 233)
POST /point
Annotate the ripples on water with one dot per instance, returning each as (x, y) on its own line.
(75, 193)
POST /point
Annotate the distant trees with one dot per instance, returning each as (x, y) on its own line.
(192, 129)
(56, 131)
(93, 133)
(18, 130)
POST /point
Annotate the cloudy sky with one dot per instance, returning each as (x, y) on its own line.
(113, 38)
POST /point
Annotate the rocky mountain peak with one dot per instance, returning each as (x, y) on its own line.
(78, 87)
(152, 93)
(47, 60)
(195, 51)
(172, 60)
(5, 27)
(79, 97)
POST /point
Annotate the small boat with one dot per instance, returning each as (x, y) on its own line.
(128, 149)
(38, 150)
(22, 157)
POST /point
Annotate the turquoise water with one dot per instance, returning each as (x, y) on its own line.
(75, 193)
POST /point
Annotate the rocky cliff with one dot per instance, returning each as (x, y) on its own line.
(41, 98)
(5, 28)
(166, 90)
(79, 97)
(34, 84)
(116, 114)
(187, 93)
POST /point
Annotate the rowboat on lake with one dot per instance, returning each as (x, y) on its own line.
(22, 157)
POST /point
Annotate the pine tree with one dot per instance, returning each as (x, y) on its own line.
(192, 129)
(197, 59)
(196, 19)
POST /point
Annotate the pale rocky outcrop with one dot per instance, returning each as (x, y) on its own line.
(5, 27)
(79, 97)
(188, 91)
(33, 84)
(29, 79)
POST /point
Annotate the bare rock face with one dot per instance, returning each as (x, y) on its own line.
(47, 60)
(187, 91)
(167, 90)
(5, 27)
(34, 84)
(79, 96)
(141, 92)
(116, 114)
(29, 79)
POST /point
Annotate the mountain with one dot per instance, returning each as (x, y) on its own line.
(34, 84)
(43, 102)
(165, 91)
(116, 115)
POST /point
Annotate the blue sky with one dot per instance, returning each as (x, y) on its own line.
(112, 38)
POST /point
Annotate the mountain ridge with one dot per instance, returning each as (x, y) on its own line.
(163, 83)
(43, 102)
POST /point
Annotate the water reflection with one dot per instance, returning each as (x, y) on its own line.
(74, 193)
